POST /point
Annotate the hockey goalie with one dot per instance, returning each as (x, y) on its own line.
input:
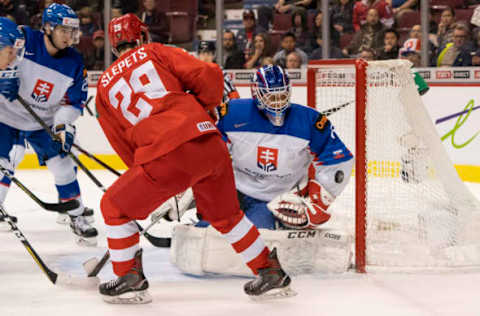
(272, 143)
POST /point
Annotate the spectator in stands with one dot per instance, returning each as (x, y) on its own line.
(476, 54)
(300, 29)
(262, 49)
(233, 58)
(411, 51)
(399, 7)
(246, 35)
(361, 9)
(36, 19)
(317, 31)
(446, 27)
(335, 52)
(458, 53)
(267, 61)
(370, 35)
(288, 45)
(156, 21)
(116, 12)
(17, 11)
(342, 16)
(265, 13)
(99, 54)
(389, 50)
(416, 33)
(293, 61)
(367, 54)
(87, 25)
(286, 6)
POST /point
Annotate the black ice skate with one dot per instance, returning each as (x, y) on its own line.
(4, 226)
(271, 282)
(128, 289)
(86, 235)
(64, 219)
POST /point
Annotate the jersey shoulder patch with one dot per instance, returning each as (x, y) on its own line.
(321, 122)
(223, 109)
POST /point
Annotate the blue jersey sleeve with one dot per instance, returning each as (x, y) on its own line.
(76, 94)
(325, 145)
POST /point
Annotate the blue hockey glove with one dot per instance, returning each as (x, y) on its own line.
(9, 87)
(66, 135)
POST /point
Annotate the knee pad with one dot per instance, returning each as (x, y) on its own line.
(63, 169)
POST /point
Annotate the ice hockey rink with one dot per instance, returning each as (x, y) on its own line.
(25, 290)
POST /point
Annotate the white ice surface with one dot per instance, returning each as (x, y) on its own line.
(25, 290)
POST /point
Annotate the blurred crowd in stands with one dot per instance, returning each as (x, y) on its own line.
(286, 32)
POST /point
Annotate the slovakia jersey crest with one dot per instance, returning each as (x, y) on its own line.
(42, 90)
(267, 158)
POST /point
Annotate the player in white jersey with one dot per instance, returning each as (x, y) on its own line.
(272, 143)
(12, 48)
(52, 80)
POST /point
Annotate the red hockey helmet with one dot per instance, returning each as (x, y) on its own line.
(127, 29)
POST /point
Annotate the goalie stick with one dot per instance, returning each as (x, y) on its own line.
(55, 278)
(55, 207)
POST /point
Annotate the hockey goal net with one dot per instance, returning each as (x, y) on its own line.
(405, 204)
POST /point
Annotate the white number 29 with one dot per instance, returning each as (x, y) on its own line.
(143, 79)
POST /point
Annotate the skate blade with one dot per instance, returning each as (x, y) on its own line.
(64, 219)
(277, 293)
(86, 242)
(139, 297)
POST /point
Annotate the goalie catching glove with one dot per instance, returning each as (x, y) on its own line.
(298, 212)
(65, 134)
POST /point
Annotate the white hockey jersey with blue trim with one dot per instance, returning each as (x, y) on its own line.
(270, 160)
(46, 83)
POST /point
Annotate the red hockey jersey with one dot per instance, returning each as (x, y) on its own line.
(154, 98)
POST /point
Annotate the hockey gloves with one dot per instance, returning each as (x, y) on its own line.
(9, 84)
(65, 136)
(298, 212)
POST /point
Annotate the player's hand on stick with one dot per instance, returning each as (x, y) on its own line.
(65, 136)
(9, 84)
(298, 212)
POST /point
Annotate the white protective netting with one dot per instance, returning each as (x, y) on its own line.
(419, 215)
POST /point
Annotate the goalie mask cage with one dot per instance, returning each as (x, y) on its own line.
(405, 204)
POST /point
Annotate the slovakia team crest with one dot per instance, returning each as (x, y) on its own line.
(267, 158)
(42, 90)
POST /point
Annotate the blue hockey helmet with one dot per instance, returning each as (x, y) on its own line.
(271, 92)
(11, 36)
(61, 14)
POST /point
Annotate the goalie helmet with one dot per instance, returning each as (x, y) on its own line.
(11, 36)
(127, 29)
(61, 14)
(271, 92)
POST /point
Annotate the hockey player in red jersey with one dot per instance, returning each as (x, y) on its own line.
(169, 142)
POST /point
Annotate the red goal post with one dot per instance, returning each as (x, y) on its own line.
(405, 205)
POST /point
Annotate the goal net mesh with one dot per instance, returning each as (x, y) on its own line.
(417, 213)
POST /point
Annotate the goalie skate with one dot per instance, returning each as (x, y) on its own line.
(128, 289)
(64, 219)
(85, 234)
(271, 283)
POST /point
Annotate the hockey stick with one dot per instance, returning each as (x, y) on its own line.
(55, 138)
(103, 164)
(52, 276)
(55, 207)
(93, 271)
(55, 278)
(336, 109)
(86, 105)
